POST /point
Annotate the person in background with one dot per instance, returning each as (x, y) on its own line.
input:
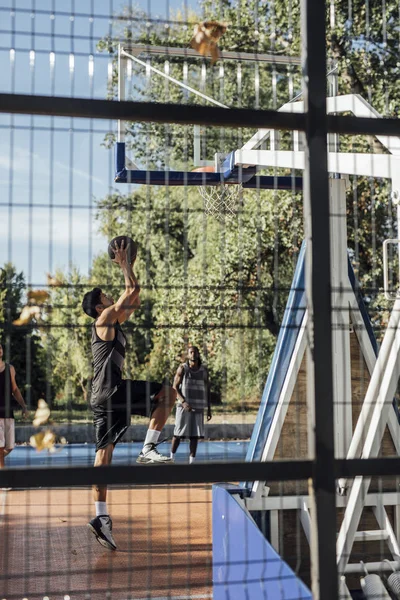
(8, 388)
(192, 388)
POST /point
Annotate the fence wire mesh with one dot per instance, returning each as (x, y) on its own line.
(181, 371)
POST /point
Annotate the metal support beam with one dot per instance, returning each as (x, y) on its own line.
(385, 525)
(274, 529)
(305, 520)
(318, 288)
(349, 103)
(369, 165)
(121, 93)
(380, 397)
(169, 51)
(297, 502)
(283, 403)
(340, 319)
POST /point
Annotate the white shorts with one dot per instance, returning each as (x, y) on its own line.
(7, 434)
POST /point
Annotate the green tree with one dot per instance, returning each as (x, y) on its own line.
(22, 345)
(202, 281)
(68, 336)
(228, 285)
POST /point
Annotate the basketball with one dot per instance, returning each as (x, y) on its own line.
(132, 250)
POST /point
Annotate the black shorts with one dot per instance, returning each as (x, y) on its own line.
(112, 417)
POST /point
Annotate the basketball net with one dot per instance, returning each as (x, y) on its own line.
(221, 201)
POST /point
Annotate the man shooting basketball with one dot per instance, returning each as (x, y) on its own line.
(114, 399)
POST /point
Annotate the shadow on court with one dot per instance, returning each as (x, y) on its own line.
(163, 536)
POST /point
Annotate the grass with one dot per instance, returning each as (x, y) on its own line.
(221, 414)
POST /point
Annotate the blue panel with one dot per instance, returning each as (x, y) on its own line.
(232, 172)
(361, 306)
(120, 170)
(245, 566)
(247, 177)
(293, 317)
(193, 178)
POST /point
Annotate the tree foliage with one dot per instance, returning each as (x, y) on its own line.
(22, 345)
(230, 283)
(222, 286)
(67, 337)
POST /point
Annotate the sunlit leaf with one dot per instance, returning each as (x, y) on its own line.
(44, 440)
(205, 38)
(42, 413)
(38, 296)
(53, 281)
(28, 313)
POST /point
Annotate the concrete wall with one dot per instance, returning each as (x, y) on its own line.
(79, 434)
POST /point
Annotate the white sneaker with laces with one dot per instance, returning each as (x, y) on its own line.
(150, 455)
(101, 527)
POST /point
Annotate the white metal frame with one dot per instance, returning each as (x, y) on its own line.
(352, 103)
(168, 51)
(378, 401)
(376, 412)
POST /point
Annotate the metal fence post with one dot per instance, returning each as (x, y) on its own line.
(318, 288)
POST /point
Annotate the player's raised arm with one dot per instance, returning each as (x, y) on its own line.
(129, 300)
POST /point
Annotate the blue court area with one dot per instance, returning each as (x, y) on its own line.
(83, 454)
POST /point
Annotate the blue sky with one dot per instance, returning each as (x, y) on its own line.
(53, 170)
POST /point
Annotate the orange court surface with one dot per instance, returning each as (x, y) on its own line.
(163, 535)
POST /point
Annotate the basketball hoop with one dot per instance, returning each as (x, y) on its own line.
(221, 201)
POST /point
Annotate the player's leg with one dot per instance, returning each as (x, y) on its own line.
(7, 441)
(196, 432)
(110, 425)
(193, 448)
(2, 442)
(163, 400)
(103, 458)
(176, 440)
(9, 438)
(101, 525)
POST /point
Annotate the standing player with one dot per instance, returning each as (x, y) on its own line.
(8, 388)
(114, 399)
(193, 394)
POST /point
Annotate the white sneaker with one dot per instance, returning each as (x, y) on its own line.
(102, 528)
(152, 456)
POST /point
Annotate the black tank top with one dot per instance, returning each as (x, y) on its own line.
(6, 411)
(108, 359)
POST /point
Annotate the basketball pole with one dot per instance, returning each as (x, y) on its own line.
(318, 290)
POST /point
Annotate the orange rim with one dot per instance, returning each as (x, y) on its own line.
(204, 170)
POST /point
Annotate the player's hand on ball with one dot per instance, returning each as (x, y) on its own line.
(121, 253)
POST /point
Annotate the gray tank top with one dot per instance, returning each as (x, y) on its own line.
(194, 386)
(108, 359)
